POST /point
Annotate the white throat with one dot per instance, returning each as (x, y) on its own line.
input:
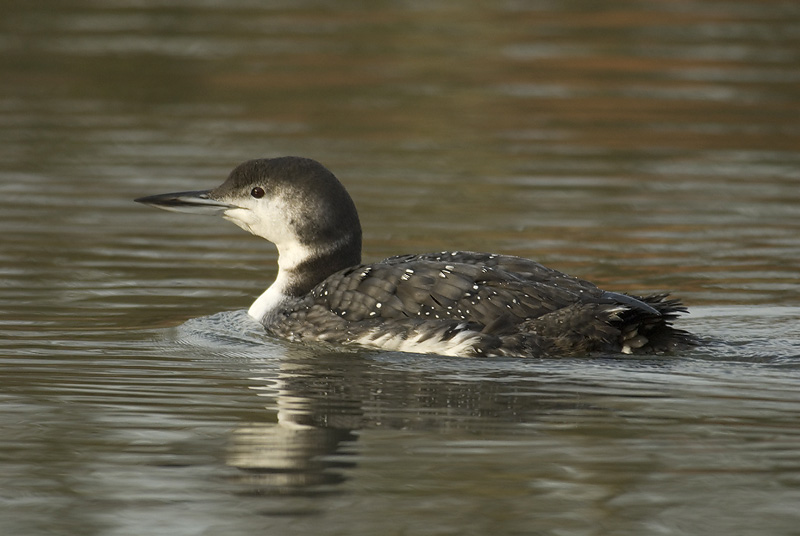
(273, 219)
(270, 220)
(271, 300)
(289, 257)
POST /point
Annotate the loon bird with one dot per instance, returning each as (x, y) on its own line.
(450, 303)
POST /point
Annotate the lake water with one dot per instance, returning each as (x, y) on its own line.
(647, 146)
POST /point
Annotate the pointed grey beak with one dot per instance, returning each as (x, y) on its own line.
(191, 202)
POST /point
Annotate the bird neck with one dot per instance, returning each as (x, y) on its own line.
(300, 272)
(301, 267)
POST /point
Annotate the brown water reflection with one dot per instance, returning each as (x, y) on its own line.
(644, 145)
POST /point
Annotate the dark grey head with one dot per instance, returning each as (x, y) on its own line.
(311, 201)
(295, 203)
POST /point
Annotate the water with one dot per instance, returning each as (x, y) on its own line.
(646, 146)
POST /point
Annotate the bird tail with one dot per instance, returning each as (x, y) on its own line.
(644, 332)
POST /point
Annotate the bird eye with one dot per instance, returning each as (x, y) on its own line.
(257, 192)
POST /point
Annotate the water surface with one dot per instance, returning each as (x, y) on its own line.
(646, 146)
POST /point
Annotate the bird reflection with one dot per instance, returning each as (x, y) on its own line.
(307, 446)
(321, 402)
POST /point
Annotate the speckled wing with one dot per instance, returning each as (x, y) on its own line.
(477, 304)
(446, 295)
(475, 287)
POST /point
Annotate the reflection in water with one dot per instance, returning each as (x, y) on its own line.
(316, 420)
(565, 443)
(288, 457)
(324, 400)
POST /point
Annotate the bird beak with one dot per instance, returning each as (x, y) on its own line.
(190, 202)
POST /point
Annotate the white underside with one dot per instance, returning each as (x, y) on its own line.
(459, 345)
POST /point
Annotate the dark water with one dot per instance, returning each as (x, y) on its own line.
(647, 146)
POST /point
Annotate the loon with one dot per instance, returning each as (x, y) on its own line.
(457, 303)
